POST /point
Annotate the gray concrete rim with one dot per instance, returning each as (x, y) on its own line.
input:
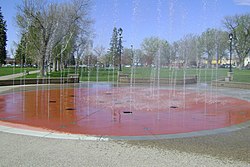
(57, 135)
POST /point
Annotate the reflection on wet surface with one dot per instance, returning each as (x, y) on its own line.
(127, 111)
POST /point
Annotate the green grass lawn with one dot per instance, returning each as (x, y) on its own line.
(14, 70)
(85, 74)
(204, 75)
(241, 75)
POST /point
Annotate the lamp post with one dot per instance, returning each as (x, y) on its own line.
(120, 48)
(132, 56)
(230, 51)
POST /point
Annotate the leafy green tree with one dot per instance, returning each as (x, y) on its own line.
(3, 39)
(25, 51)
(62, 54)
(115, 50)
(21, 51)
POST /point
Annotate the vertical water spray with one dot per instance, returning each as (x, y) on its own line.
(198, 73)
(61, 84)
(88, 85)
(204, 9)
(97, 81)
(159, 18)
(13, 84)
(131, 79)
(172, 54)
(216, 73)
(136, 4)
(48, 98)
(37, 93)
(217, 45)
(182, 60)
(113, 57)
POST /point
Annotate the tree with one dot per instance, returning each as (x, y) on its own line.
(127, 56)
(221, 46)
(137, 56)
(99, 53)
(213, 44)
(187, 50)
(3, 39)
(81, 44)
(21, 51)
(114, 51)
(25, 51)
(153, 47)
(239, 26)
(50, 25)
(208, 45)
(173, 52)
(90, 60)
(62, 54)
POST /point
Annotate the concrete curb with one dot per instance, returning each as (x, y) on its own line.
(49, 134)
(57, 135)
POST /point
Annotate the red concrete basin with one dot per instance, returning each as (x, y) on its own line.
(122, 111)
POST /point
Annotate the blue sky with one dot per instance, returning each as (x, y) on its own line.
(167, 19)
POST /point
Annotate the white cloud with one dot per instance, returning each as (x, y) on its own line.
(242, 2)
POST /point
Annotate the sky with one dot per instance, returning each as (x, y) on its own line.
(167, 19)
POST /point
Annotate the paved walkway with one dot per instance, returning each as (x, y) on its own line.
(8, 77)
(21, 150)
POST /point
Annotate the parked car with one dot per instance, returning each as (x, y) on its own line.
(8, 65)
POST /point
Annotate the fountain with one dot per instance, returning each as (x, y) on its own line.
(153, 108)
(121, 111)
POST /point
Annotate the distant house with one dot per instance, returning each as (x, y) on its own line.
(9, 60)
(247, 61)
(227, 61)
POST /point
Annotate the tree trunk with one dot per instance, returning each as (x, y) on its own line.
(54, 64)
(42, 70)
(241, 65)
(57, 65)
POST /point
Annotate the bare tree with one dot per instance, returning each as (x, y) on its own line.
(153, 46)
(208, 45)
(52, 24)
(100, 52)
(127, 56)
(239, 26)
(221, 45)
(187, 50)
(173, 52)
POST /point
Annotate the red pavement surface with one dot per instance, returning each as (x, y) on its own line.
(122, 111)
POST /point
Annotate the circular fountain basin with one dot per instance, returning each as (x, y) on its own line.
(122, 111)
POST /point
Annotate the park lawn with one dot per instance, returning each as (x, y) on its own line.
(14, 70)
(85, 75)
(56, 74)
(204, 75)
(100, 75)
(241, 75)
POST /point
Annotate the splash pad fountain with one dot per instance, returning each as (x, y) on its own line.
(124, 112)
(102, 110)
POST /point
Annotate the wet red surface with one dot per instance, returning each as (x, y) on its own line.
(122, 111)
